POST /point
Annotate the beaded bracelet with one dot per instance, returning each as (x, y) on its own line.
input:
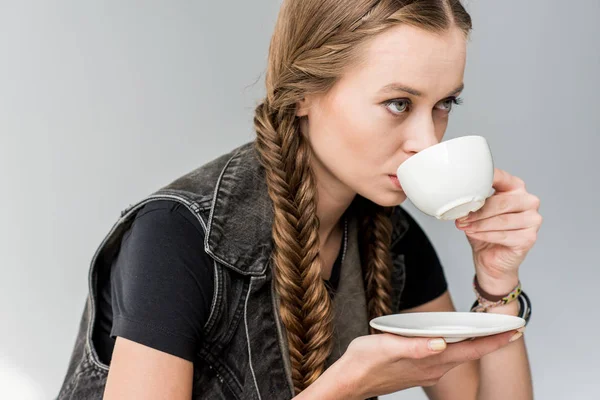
(489, 301)
(524, 307)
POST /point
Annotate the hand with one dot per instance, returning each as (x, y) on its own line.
(502, 232)
(380, 364)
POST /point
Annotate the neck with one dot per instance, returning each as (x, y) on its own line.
(333, 199)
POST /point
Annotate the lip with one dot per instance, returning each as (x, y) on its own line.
(394, 179)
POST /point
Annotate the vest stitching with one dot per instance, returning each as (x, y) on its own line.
(209, 322)
(281, 339)
(248, 337)
(90, 304)
(77, 379)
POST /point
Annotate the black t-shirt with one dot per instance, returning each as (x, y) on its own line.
(161, 283)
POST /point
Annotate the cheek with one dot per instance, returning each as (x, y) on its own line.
(353, 134)
(356, 144)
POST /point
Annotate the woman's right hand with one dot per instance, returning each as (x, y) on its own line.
(380, 364)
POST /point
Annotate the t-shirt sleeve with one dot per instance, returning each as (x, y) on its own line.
(162, 280)
(425, 279)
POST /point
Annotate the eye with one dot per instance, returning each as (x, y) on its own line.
(397, 106)
(446, 105)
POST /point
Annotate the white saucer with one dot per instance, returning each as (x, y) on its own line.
(452, 326)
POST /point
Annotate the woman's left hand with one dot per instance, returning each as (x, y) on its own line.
(502, 232)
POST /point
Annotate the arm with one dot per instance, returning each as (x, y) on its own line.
(487, 378)
(506, 374)
(140, 372)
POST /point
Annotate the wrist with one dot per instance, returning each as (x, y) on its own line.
(336, 382)
(498, 286)
(348, 379)
(511, 308)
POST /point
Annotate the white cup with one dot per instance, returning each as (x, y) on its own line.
(450, 179)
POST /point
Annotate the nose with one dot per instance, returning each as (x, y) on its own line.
(420, 134)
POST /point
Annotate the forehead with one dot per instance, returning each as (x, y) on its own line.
(429, 62)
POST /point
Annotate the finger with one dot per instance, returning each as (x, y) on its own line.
(411, 347)
(470, 350)
(503, 204)
(505, 182)
(520, 238)
(504, 222)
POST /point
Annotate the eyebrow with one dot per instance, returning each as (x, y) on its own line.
(397, 87)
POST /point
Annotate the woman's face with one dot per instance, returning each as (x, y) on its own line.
(381, 112)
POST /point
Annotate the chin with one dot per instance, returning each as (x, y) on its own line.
(387, 199)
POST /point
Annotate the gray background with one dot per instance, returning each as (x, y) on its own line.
(101, 103)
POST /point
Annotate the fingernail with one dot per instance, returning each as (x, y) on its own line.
(463, 219)
(522, 330)
(437, 344)
(515, 337)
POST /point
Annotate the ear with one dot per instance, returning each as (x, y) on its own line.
(303, 106)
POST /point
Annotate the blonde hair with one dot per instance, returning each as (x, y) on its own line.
(313, 42)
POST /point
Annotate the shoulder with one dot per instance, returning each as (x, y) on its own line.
(195, 188)
(166, 213)
(203, 180)
(161, 266)
(163, 234)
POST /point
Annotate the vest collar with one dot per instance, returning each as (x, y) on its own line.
(241, 217)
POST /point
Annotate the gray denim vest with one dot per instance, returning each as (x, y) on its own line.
(244, 354)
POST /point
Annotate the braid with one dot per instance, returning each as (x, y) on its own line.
(375, 238)
(305, 308)
(317, 307)
(379, 267)
(286, 250)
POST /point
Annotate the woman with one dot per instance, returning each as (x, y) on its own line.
(255, 275)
